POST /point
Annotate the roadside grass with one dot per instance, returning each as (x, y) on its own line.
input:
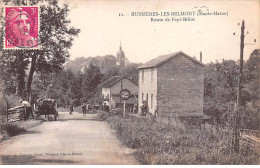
(102, 115)
(15, 128)
(176, 144)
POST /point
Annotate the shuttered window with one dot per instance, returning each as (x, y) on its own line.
(151, 100)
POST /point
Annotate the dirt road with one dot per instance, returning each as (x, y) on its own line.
(73, 139)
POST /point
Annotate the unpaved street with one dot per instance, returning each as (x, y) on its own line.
(73, 139)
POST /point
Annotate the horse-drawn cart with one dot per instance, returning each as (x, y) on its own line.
(46, 107)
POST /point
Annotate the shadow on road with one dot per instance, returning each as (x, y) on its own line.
(30, 160)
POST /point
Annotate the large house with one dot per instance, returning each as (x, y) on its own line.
(173, 85)
(111, 92)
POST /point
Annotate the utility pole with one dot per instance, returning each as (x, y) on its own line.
(241, 63)
(240, 79)
(121, 89)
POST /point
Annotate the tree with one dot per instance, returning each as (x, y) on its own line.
(220, 91)
(251, 113)
(90, 80)
(131, 71)
(13, 65)
(56, 38)
(220, 88)
(252, 74)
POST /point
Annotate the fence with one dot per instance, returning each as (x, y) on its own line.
(251, 132)
(250, 136)
(14, 114)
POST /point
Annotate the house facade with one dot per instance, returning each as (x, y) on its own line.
(173, 85)
(111, 92)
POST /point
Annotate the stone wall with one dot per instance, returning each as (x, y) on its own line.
(180, 87)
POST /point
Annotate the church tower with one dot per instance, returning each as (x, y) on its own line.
(120, 57)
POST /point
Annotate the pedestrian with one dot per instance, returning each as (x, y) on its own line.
(28, 109)
(106, 108)
(135, 108)
(87, 106)
(71, 108)
(144, 108)
(83, 106)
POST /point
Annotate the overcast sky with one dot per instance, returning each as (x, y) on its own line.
(102, 29)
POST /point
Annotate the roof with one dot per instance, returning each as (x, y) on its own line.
(164, 58)
(110, 82)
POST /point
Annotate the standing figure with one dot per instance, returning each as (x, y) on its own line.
(28, 109)
(106, 108)
(71, 108)
(87, 106)
(135, 108)
(83, 106)
(144, 108)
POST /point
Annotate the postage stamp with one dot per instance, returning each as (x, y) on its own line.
(21, 28)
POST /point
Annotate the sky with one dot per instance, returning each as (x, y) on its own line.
(102, 29)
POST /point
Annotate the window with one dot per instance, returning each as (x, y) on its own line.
(151, 100)
(142, 76)
(152, 75)
(147, 98)
(142, 97)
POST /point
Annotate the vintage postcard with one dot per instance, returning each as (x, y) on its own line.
(131, 82)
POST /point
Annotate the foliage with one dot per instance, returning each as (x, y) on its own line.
(67, 87)
(60, 86)
(91, 79)
(10, 129)
(15, 128)
(8, 101)
(220, 93)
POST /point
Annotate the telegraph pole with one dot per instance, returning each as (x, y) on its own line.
(242, 38)
(121, 84)
(240, 80)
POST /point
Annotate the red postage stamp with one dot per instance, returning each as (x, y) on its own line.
(21, 28)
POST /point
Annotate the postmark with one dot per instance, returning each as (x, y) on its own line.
(21, 27)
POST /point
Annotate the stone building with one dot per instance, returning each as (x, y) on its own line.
(173, 85)
(111, 88)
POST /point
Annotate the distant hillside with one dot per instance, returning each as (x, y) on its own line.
(105, 63)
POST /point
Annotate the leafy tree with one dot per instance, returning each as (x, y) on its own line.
(13, 65)
(61, 86)
(252, 74)
(114, 71)
(91, 79)
(220, 90)
(251, 113)
(131, 71)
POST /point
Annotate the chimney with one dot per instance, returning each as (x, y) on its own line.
(201, 57)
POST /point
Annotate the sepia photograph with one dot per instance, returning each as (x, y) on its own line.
(129, 82)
